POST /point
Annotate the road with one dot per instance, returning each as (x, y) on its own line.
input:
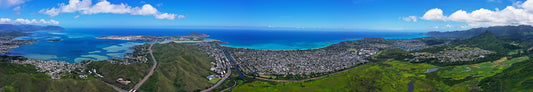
(116, 88)
(232, 62)
(149, 73)
(219, 82)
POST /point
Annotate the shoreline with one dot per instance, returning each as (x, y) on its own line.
(312, 44)
(227, 46)
(332, 43)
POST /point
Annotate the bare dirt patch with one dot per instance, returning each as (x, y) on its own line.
(499, 61)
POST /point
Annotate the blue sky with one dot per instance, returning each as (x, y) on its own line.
(264, 14)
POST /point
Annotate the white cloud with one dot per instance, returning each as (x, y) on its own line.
(516, 3)
(13, 2)
(409, 18)
(75, 17)
(9, 3)
(27, 21)
(434, 14)
(449, 26)
(17, 8)
(516, 14)
(86, 7)
(436, 27)
(165, 16)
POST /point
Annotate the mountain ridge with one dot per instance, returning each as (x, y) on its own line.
(27, 28)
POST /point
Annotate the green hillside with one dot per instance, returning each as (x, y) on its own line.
(24, 78)
(180, 68)
(111, 72)
(517, 78)
(488, 41)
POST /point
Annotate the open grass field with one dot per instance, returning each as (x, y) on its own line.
(481, 70)
(468, 77)
(214, 80)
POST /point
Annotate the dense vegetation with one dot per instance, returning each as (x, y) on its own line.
(508, 32)
(516, 78)
(488, 41)
(25, 78)
(180, 67)
(522, 34)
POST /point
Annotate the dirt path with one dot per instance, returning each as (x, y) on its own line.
(134, 89)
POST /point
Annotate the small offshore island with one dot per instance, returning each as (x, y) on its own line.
(8, 32)
(54, 39)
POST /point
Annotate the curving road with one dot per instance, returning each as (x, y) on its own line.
(134, 89)
(219, 82)
(116, 88)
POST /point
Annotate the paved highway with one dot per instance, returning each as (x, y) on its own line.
(134, 89)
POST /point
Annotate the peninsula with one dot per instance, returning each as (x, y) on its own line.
(190, 37)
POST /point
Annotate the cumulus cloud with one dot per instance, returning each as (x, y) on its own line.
(409, 18)
(27, 21)
(434, 14)
(86, 7)
(517, 14)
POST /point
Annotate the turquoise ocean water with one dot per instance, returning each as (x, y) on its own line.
(80, 44)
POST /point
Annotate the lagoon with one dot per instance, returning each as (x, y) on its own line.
(80, 44)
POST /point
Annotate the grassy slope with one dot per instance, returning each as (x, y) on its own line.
(180, 68)
(111, 72)
(23, 78)
(388, 77)
(462, 80)
(393, 76)
(488, 41)
(515, 79)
